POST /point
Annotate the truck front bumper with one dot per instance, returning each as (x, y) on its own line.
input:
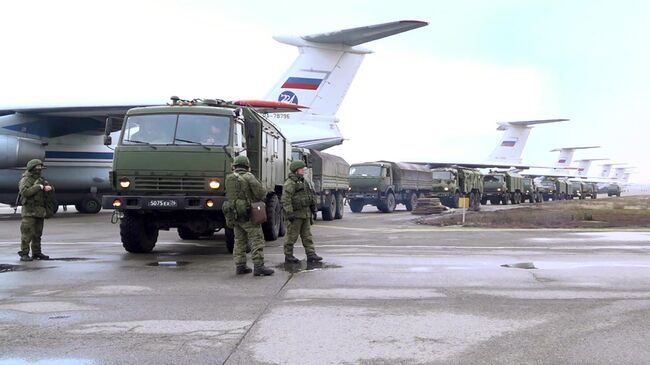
(163, 202)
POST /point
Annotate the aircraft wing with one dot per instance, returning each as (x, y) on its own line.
(360, 35)
(483, 165)
(59, 121)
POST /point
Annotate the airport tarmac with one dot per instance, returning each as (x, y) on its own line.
(388, 292)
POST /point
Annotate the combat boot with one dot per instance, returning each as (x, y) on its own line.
(262, 270)
(25, 258)
(40, 256)
(314, 258)
(291, 259)
(243, 269)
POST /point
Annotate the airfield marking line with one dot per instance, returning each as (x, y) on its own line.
(626, 247)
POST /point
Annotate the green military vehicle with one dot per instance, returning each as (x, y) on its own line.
(551, 188)
(614, 190)
(531, 191)
(452, 183)
(574, 189)
(329, 176)
(589, 189)
(502, 187)
(171, 162)
(385, 184)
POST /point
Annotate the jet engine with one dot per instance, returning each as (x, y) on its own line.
(16, 151)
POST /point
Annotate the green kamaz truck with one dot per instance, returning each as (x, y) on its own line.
(452, 183)
(171, 162)
(385, 184)
(502, 187)
(329, 176)
(531, 191)
(552, 188)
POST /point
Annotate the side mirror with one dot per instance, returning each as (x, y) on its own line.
(108, 128)
(108, 140)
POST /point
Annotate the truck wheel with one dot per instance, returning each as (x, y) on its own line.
(339, 206)
(356, 206)
(388, 204)
(89, 205)
(138, 236)
(506, 199)
(230, 239)
(271, 227)
(484, 201)
(329, 207)
(187, 234)
(411, 202)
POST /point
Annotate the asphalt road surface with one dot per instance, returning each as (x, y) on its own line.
(388, 292)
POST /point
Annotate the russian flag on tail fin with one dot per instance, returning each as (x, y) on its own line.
(303, 83)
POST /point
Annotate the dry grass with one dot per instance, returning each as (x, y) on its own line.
(631, 211)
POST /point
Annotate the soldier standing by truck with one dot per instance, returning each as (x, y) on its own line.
(35, 195)
(299, 204)
(243, 188)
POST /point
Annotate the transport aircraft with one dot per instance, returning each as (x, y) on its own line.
(70, 138)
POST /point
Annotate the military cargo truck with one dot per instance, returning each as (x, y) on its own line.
(502, 187)
(531, 191)
(574, 189)
(613, 190)
(589, 190)
(452, 183)
(170, 166)
(385, 184)
(329, 176)
(551, 188)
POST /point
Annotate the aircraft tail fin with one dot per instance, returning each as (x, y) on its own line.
(566, 155)
(585, 164)
(322, 73)
(512, 143)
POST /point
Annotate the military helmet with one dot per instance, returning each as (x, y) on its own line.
(295, 165)
(241, 161)
(33, 163)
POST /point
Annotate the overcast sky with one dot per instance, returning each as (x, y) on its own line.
(434, 93)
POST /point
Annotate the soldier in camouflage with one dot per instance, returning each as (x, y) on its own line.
(34, 192)
(299, 203)
(243, 188)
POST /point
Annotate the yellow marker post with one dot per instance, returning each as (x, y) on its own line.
(463, 203)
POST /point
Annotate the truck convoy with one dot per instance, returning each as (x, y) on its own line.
(329, 175)
(552, 188)
(452, 183)
(502, 187)
(385, 184)
(170, 165)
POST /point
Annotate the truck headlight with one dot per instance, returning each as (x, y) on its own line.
(374, 189)
(214, 184)
(209, 203)
(446, 188)
(498, 189)
(124, 183)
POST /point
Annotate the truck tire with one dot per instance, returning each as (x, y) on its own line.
(187, 234)
(138, 236)
(506, 199)
(339, 206)
(411, 201)
(329, 207)
(484, 201)
(230, 239)
(388, 205)
(89, 205)
(495, 201)
(356, 206)
(271, 227)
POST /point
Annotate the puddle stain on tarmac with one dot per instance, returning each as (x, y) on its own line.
(304, 266)
(70, 259)
(520, 265)
(11, 268)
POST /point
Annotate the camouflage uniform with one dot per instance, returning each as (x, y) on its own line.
(33, 212)
(242, 185)
(298, 202)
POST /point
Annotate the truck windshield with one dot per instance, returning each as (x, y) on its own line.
(365, 170)
(492, 178)
(441, 175)
(180, 129)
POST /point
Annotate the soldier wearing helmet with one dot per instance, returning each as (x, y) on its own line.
(36, 199)
(299, 203)
(242, 189)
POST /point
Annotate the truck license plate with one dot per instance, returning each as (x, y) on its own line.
(163, 203)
